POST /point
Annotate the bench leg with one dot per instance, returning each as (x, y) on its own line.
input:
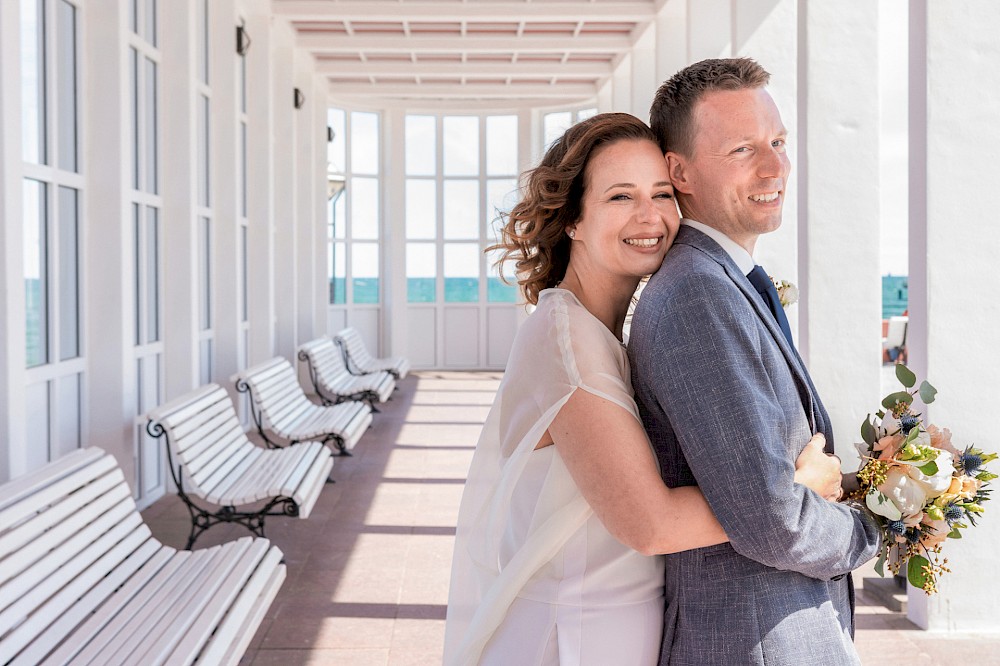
(202, 519)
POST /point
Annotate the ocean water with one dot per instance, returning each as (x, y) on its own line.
(895, 295)
(423, 290)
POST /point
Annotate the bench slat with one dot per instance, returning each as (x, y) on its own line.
(75, 602)
(27, 485)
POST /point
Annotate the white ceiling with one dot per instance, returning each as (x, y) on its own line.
(508, 52)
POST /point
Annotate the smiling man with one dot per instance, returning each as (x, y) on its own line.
(728, 402)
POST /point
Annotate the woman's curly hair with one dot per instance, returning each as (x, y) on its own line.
(534, 233)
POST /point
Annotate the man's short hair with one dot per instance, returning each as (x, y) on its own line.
(672, 113)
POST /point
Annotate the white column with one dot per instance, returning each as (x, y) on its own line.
(839, 221)
(225, 173)
(321, 294)
(180, 250)
(306, 140)
(395, 320)
(709, 29)
(954, 215)
(621, 85)
(109, 316)
(13, 447)
(261, 102)
(643, 80)
(285, 228)
(671, 39)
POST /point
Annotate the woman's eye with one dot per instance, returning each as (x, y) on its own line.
(620, 197)
(665, 195)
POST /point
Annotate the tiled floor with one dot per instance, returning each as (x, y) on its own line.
(368, 570)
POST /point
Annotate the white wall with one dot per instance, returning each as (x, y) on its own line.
(954, 248)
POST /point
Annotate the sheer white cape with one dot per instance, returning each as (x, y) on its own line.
(560, 347)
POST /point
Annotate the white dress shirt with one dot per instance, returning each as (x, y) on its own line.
(732, 248)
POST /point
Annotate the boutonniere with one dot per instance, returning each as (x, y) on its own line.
(788, 293)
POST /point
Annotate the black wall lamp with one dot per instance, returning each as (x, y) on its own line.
(300, 98)
(242, 39)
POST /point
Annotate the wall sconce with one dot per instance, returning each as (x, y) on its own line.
(329, 134)
(300, 99)
(242, 39)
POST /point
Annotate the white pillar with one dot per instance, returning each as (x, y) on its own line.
(285, 231)
(643, 80)
(321, 293)
(304, 264)
(109, 316)
(180, 250)
(954, 248)
(709, 29)
(13, 446)
(621, 86)
(839, 221)
(395, 320)
(671, 39)
(225, 174)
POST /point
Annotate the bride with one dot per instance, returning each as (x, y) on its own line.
(564, 510)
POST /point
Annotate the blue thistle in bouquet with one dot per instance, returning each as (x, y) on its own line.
(918, 486)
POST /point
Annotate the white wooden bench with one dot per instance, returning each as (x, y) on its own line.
(82, 580)
(280, 407)
(332, 381)
(211, 458)
(360, 361)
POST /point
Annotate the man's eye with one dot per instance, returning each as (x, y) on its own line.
(778, 143)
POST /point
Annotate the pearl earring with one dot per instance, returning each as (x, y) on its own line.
(572, 233)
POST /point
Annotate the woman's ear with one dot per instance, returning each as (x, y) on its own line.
(677, 168)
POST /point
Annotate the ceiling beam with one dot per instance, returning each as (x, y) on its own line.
(532, 70)
(319, 43)
(505, 12)
(475, 91)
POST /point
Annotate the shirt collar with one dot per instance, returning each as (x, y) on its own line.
(737, 252)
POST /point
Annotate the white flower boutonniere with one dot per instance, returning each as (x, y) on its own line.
(788, 293)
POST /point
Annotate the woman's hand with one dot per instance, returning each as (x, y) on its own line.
(819, 471)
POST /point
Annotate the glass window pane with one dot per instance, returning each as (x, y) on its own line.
(205, 273)
(340, 217)
(461, 145)
(364, 272)
(421, 272)
(202, 19)
(67, 396)
(583, 114)
(335, 154)
(501, 196)
(364, 142)
(244, 275)
(421, 209)
(137, 252)
(33, 81)
(66, 85)
(36, 420)
(554, 124)
(338, 281)
(421, 152)
(134, 115)
(203, 151)
(364, 208)
(461, 273)
(497, 291)
(69, 282)
(461, 209)
(501, 145)
(243, 169)
(243, 84)
(36, 288)
(151, 130)
(205, 361)
(152, 274)
(149, 11)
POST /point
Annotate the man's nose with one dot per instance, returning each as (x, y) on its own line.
(773, 164)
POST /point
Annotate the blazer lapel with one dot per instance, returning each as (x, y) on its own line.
(690, 236)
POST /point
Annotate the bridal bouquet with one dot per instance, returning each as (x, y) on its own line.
(921, 488)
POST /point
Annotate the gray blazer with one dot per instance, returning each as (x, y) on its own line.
(728, 405)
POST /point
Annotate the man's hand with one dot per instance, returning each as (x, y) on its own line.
(818, 470)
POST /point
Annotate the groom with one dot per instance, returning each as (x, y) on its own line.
(727, 401)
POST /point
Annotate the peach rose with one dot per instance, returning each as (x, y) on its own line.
(889, 446)
(936, 534)
(941, 439)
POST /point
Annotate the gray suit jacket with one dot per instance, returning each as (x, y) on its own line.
(728, 405)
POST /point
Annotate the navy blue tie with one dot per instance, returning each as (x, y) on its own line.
(762, 283)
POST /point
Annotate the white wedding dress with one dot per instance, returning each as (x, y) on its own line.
(536, 578)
